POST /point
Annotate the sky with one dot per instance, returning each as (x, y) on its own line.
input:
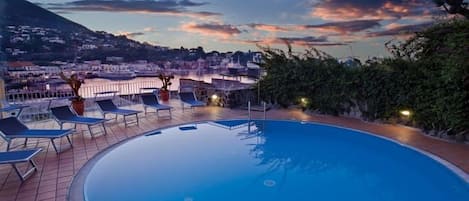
(342, 28)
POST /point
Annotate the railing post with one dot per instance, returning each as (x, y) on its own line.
(249, 110)
(249, 116)
(264, 110)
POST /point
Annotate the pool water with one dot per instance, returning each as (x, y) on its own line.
(271, 161)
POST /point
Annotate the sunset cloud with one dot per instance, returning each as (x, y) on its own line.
(307, 41)
(340, 10)
(268, 27)
(345, 27)
(212, 29)
(164, 7)
(400, 30)
(231, 25)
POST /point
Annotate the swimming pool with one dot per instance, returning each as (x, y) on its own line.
(267, 160)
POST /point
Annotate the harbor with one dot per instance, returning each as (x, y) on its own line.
(44, 85)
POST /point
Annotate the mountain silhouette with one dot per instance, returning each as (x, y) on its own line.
(22, 12)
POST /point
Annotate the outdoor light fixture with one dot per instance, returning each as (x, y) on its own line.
(304, 100)
(406, 113)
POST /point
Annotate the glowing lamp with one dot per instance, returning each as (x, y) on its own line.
(214, 97)
(406, 113)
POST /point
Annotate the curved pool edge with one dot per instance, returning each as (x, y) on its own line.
(75, 192)
(76, 189)
(455, 169)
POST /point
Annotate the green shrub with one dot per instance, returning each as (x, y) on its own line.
(428, 74)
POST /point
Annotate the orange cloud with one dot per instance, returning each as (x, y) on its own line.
(307, 41)
(400, 30)
(212, 29)
(345, 27)
(338, 10)
(268, 27)
(174, 8)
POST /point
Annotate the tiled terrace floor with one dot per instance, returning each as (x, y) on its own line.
(52, 180)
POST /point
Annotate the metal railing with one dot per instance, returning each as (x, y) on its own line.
(264, 110)
(123, 88)
(38, 100)
(36, 95)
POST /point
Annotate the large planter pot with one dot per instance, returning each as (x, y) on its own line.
(79, 106)
(164, 95)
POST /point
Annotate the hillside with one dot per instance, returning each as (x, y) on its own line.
(22, 12)
(29, 32)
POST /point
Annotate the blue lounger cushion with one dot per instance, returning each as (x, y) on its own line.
(160, 107)
(195, 103)
(11, 127)
(12, 107)
(22, 156)
(41, 134)
(17, 156)
(123, 112)
(84, 120)
(150, 100)
(107, 106)
(189, 98)
(64, 114)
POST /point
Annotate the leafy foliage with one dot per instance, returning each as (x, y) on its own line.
(166, 80)
(428, 74)
(75, 84)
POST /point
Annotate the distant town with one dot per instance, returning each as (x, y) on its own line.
(36, 55)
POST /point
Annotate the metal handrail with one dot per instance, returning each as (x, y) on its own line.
(250, 116)
(265, 109)
(249, 111)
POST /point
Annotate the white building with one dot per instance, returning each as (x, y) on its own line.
(88, 47)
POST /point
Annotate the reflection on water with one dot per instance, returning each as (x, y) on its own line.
(335, 163)
(124, 87)
(157, 82)
(281, 152)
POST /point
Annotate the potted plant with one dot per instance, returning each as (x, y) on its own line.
(78, 102)
(164, 91)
